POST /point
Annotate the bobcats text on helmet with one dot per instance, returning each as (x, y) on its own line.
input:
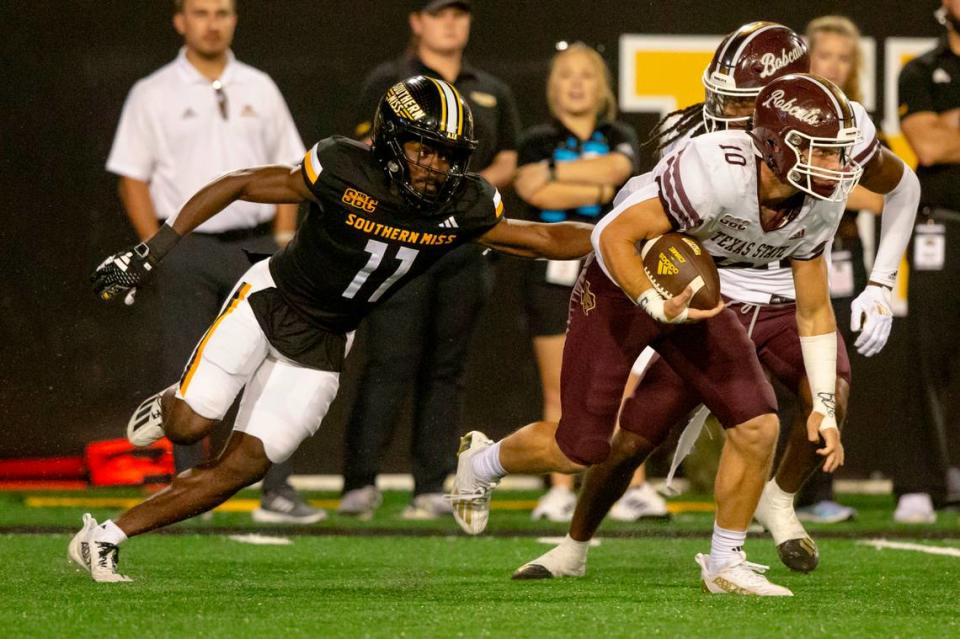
(773, 63)
(790, 107)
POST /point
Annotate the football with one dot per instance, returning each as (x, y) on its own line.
(674, 261)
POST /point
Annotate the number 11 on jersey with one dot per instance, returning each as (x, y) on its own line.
(377, 250)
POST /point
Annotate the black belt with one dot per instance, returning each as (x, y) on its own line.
(238, 235)
(775, 300)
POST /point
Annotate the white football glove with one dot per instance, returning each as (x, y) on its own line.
(874, 304)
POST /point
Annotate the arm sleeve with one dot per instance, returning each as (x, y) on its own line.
(913, 90)
(896, 224)
(287, 145)
(623, 139)
(133, 153)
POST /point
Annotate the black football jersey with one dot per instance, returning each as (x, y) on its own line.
(362, 242)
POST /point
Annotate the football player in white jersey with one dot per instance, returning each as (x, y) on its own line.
(775, 193)
(765, 299)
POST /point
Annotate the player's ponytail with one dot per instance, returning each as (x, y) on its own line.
(682, 121)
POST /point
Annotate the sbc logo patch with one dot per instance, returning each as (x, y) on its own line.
(359, 200)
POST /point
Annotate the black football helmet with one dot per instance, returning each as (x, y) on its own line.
(431, 112)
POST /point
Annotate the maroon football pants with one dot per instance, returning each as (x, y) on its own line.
(773, 331)
(714, 358)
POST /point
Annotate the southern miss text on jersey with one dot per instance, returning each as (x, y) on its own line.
(363, 241)
(709, 190)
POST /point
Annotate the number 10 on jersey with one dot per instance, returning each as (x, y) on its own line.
(377, 250)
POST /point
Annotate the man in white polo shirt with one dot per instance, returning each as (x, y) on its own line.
(190, 121)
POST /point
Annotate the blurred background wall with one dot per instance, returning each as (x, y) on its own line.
(71, 369)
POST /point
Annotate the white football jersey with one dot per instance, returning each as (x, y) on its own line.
(708, 188)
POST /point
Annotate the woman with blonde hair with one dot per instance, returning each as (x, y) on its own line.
(835, 53)
(570, 169)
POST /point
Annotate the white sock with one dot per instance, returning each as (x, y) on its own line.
(486, 464)
(110, 533)
(574, 549)
(778, 496)
(724, 546)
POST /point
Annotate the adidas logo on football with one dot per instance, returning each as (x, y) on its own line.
(666, 267)
(450, 223)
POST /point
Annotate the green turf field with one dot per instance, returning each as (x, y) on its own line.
(390, 578)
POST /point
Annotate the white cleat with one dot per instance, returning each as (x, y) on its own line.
(99, 558)
(104, 559)
(78, 550)
(739, 578)
(557, 504)
(470, 498)
(796, 548)
(556, 562)
(640, 502)
(146, 423)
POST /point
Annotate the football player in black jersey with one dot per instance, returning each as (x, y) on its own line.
(378, 217)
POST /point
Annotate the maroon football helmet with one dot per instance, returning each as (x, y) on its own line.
(744, 63)
(805, 130)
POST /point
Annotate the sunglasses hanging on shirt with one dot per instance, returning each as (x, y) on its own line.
(221, 97)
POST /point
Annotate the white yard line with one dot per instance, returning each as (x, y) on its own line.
(261, 540)
(881, 544)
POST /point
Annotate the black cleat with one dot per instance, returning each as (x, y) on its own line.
(532, 571)
(800, 555)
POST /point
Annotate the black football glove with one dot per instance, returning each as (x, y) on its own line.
(122, 273)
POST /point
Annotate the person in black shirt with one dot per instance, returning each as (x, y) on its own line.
(419, 338)
(570, 169)
(929, 97)
(379, 217)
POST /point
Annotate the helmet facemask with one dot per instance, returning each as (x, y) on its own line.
(429, 170)
(825, 183)
(721, 100)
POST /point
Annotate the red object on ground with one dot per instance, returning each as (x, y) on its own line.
(42, 468)
(116, 462)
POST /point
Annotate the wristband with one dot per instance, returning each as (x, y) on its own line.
(820, 362)
(829, 423)
(154, 249)
(652, 302)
